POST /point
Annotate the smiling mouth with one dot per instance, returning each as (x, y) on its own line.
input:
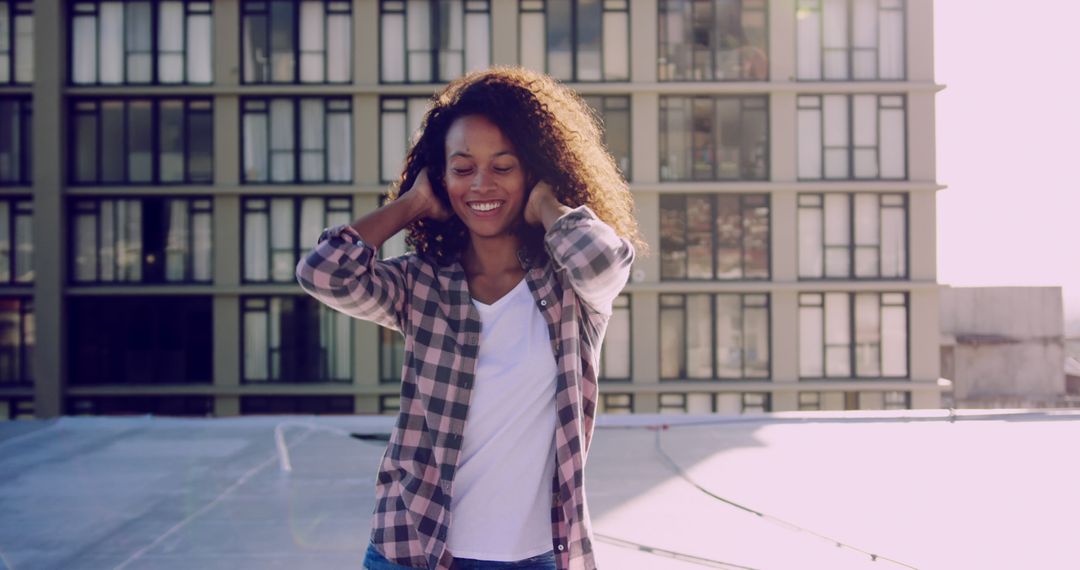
(485, 207)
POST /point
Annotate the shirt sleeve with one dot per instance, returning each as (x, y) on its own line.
(596, 259)
(343, 272)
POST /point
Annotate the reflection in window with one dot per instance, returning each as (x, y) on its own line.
(16, 42)
(432, 41)
(142, 141)
(297, 41)
(141, 240)
(297, 139)
(16, 140)
(853, 335)
(714, 138)
(117, 42)
(278, 230)
(295, 339)
(852, 235)
(850, 39)
(17, 341)
(399, 121)
(709, 336)
(614, 111)
(714, 236)
(853, 137)
(140, 339)
(16, 227)
(713, 40)
(615, 352)
(576, 40)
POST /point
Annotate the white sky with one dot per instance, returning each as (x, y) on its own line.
(1008, 122)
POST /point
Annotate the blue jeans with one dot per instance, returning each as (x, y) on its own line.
(375, 561)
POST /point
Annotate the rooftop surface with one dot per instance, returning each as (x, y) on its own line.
(977, 490)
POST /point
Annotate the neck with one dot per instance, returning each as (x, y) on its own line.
(492, 255)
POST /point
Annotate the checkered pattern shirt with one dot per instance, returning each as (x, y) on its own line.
(583, 267)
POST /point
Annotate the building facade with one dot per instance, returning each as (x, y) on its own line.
(170, 160)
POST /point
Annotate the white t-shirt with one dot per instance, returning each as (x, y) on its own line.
(501, 505)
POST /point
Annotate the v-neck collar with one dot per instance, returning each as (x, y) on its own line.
(501, 300)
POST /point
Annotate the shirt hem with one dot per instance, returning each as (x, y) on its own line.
(477, 555)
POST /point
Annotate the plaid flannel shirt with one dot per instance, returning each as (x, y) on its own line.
(584, 266)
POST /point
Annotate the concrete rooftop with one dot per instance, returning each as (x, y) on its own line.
(988, 490)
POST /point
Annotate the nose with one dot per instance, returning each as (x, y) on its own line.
(482, 180)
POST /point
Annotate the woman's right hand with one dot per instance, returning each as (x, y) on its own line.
(429, 204)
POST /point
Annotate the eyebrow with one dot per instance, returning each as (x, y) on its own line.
(467, 155)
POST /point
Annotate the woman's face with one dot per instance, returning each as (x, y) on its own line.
(485, 179)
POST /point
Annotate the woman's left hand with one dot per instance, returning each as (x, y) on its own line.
(541, 195)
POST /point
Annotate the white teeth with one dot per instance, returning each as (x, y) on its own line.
(484, 206)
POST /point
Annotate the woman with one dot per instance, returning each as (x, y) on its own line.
(523, 233)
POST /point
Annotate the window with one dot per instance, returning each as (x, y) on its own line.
(16, 42)
(18, 342)
(279, 230)
(297, 41)
(846, 40)
(614, 111)
(433, 41)
(576, 40)
(399, 120)
(845, 137)
(714, 138)
(16, 227)
(294, 339)
(852, 236)
(714, 336)
(713, 40)
(727, 403)
(141, 41)
(616, 404)
(853, 335)
(389, 404)
(16, 140)
(17, 408)
(158, 405)
(391, 342)
(714, 236)
(297, 139)
(836, 401)
(296, 405)
(143, 339)
(615, 353)
(142, 141)
(141, 240)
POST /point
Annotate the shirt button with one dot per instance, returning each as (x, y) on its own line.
(543, 302)
(560, 547)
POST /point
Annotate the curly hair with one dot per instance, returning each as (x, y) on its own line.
(558, 138)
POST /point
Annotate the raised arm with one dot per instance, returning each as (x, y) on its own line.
(596, 259)
(343, 270)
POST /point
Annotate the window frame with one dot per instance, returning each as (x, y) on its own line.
(387, 104)
(249, 304)
(245, 10)
(297, 149)
(852, 331)
(851, 147)
(249, 205)
(688, 103)
(629, 308)
(852, 246)
(603, 111)
(74, 12)
(468, 7)
(23, 107)
(17, 11)
(713, 200)
(20, 209)
(94, 106)
(81, 206)
(660, 10)
(22, 307)
(714, 362)
(527, 7)
(849, 40)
